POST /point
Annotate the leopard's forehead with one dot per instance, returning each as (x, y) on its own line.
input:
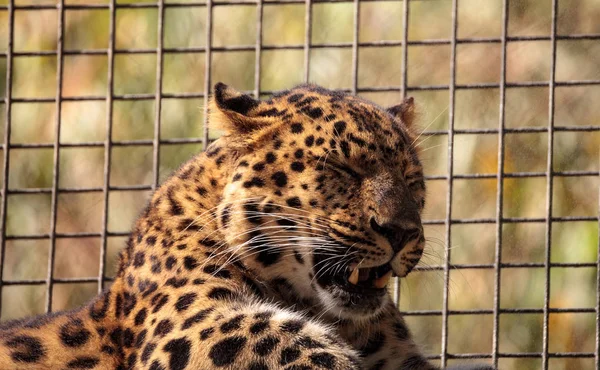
(318, 103)
(356, 127)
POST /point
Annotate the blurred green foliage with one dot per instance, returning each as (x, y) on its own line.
(283, 24)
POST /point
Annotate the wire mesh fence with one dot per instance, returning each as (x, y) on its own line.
(102, 99)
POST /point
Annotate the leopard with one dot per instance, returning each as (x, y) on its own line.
(273, 248)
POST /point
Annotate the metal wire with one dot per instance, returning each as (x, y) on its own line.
(7, 132)
(307, 38)
(258, 48)
(403, 91)
(207, 68)
(355, 39)
(355, 46)
(158, 95)
(449, 186)
(305, 46)
(500, 189)
(597, 348)
(549, 190)
(56, 159)
(107, 145)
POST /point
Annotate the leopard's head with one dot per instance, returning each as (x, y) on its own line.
(324, 195)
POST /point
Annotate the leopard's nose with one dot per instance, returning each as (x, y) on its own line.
(398, 235)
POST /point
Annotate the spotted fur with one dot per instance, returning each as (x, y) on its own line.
(241, 259)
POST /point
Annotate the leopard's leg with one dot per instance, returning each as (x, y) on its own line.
(242, 336)
(385, 343)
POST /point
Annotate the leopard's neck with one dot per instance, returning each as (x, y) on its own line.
(179, 228)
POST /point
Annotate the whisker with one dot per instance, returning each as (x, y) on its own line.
(429, 125)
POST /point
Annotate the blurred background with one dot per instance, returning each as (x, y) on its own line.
(84, 254)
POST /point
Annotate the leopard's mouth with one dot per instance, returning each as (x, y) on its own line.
(365, 281)
(354, 291)
(354, 286)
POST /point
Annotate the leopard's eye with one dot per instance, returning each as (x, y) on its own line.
(416, 185)
(349, 171)
(414, 181)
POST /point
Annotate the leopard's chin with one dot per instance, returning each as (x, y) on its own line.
(339, 303)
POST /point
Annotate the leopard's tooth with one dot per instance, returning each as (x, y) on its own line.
(353, 279)
(382, 281)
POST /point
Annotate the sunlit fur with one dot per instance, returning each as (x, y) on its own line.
(239, 260)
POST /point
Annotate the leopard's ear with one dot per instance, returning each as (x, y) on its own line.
(235, 112)
(405, 111)
(229, 99)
